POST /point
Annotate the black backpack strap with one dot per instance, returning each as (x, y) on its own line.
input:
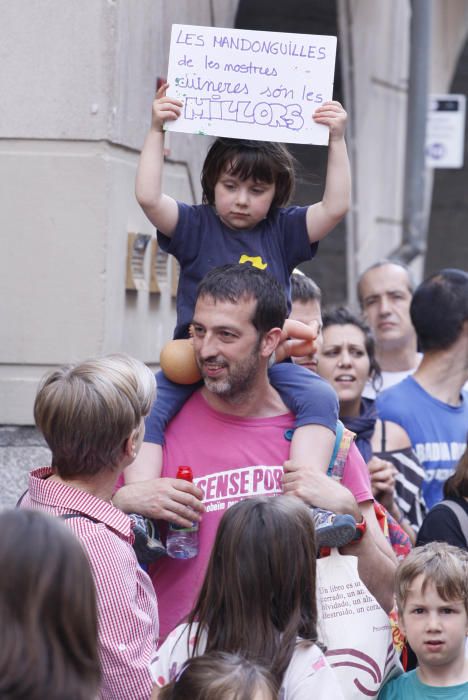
(460, 515)
(67, 516)
(384, 437)
(18, 502)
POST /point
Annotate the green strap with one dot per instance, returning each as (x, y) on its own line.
(339, 435)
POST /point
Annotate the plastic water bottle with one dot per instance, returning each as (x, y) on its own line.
(182, 542)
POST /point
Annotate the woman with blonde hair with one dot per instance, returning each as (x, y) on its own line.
(92, 417)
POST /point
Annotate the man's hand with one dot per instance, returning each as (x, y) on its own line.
(164, 109)
(382, 474)
(319, 490)
(333, 115)
(174, 500)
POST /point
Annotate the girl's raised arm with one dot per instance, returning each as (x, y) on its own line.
(160, 209)
(323, 216)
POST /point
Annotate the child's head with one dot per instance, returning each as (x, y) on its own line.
(432, 599)
(87, 412)
(262, 161)
(441, 565)
(259, 589)
(218, 675)
(47, 611)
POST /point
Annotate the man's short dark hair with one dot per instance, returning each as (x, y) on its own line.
(304, 289)
(439, 308)
(235, 282)
(383, 263)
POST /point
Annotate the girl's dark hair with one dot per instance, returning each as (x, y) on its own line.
(258, 595)
(344, 317)
(261, 160)
(48, 617)
(456, 485)
(220, 676)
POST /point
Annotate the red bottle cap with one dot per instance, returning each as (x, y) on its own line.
(185, 473)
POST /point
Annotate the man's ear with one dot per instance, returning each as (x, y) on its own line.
(270, 342)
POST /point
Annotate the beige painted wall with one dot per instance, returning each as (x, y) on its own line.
(375, 43)
(79, 79)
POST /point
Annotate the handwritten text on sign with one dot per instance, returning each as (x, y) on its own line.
(254, 85)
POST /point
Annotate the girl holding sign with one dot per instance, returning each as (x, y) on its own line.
(244, 218)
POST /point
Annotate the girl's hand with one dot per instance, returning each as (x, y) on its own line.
(297, 339)
(164, 109)
(333, 115)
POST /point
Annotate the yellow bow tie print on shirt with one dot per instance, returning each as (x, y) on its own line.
(256, 261)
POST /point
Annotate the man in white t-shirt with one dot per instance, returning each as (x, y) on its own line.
(385, 291)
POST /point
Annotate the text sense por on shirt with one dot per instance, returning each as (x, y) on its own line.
(224, 488)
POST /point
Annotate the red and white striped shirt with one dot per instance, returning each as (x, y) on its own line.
(127, 608)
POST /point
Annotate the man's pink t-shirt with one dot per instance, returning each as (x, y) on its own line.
(232, 459)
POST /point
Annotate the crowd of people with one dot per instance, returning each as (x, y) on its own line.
(342, 453)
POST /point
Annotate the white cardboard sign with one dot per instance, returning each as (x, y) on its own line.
(445, 131)
(248, 84)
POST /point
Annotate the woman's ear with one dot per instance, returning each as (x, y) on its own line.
(130, 444)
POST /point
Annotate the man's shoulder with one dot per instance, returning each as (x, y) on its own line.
(198, 408)
(396, 398)
(405, 386)
(408, 397)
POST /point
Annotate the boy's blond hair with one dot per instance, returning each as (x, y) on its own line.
(87, 411)
(441, 564)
